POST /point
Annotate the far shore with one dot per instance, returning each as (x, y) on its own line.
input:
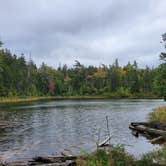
(40, 98)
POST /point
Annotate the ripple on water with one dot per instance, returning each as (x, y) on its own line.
(45, 128)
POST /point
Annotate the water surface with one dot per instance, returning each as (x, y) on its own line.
(52, 127)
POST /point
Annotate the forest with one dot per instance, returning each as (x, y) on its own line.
(19, 77)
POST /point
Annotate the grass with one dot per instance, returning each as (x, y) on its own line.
(21, 99)
(118, 157)
(156, 157)
(33, 98)
(17, 99)
(159, 114)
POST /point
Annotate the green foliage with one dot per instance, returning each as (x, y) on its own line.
(21, 78)
(163, 54)
(122, 158)
(159, 114)
(116, 156)
(158, 157)
(1, 43)
(100, 158)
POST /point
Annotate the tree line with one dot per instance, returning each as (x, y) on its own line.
(21, 78)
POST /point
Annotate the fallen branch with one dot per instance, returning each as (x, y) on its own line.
(156, 131)
(148, 130)
(156, 140)
(104, 143)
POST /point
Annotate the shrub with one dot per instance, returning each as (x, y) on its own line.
(116, 156)
(157, 157)
(159, 114)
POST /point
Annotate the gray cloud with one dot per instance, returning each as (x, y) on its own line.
(91, 31)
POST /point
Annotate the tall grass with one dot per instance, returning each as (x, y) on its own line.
(159, 114)
(156, 157)
(23, 99)
(115, 156)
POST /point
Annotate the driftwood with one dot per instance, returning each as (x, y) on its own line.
(45, 161)
(52, 161)
(155, 140)
(154, 130)
(4, 126)
(154, 124)
(105, 142)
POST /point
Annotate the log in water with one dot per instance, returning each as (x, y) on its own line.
(46, 128)
(155, 130)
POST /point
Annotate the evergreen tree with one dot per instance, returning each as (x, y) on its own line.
(21, 78)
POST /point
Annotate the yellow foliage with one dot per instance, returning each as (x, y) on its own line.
(159, 114)
(122, 71)
(100, 73)
(67, 79)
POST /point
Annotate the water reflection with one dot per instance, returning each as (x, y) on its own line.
(45, 128)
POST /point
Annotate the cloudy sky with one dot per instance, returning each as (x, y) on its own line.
(91, 31)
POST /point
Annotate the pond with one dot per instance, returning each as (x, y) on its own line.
(70, 126)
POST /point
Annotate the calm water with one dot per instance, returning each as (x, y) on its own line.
(46, 128)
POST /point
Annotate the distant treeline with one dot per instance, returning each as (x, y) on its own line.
(21, 78)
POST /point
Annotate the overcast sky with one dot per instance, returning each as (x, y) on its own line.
(91, 31)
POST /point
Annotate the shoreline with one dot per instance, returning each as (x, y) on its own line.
(6, 100)
(118, 153)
